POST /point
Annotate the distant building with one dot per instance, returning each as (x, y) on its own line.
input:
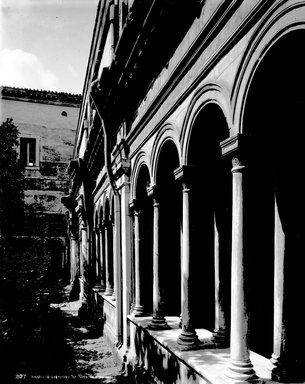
(46, 122)
(187, 188)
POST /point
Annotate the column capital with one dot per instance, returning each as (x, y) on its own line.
(236, 146)
(99, 227)
(184, 174)
(135, 206)
(80, 211)
(152, 191)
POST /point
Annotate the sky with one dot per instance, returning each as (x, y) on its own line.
(44, 44)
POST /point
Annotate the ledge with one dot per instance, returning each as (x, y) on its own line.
(109, 299)
(208, 363)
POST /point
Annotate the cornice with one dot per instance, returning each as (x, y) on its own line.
(40, 96)
(239, 145)
(214, 25)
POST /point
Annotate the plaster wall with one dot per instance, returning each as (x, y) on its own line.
(54, 127)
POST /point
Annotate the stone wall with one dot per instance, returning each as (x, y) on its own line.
(51, 119)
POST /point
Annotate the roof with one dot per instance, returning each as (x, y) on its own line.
(40, 96)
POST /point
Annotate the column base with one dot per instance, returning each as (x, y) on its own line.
(188, 340)
(98, 288)
(138, 310)
(241, 371)
(286, 372)
(221, 338)
(274, 360)
(108, 292)
(180, 321)
(158, 323)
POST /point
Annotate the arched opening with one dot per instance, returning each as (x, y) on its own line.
(145, 238)
(274, 119)
(170, 228)
(210, 220)
(96, 249)
(108, 236)
(101, 249)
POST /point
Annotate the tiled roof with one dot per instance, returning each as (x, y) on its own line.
(40, 96)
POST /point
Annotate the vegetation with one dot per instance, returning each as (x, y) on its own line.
(11, 180)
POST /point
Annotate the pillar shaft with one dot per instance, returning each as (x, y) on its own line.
(240, 368)
(97, 256)
(220, 331)
(83, 263)
(138, 308)
(73, 256)
(109, 288)
(114, 263)
(188, 338)
(158, 320)
(279, 250)
(101, 259)
(118, 269)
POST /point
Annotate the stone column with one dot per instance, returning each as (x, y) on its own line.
(280, 371)
(109, 288)
(222, 257)
(279, 250)
(98, 287)
(158, 321)
(83, 262)
(126, 256)
(73, 262)
(118, 270)
(138, 309)
(188, 338)
(240, 368)
(114, 260)
(219, 333)
(97, 255)
(101, 257)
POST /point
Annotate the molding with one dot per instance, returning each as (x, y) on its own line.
(184, 173)
(152, 191)
(123, 168)
(41, 96)
(205, 38)
(235, 144)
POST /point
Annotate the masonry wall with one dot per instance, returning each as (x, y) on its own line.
(53, 126)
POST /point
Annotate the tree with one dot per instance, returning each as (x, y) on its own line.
(11, 179)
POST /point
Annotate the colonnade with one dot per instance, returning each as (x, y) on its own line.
(240, 367)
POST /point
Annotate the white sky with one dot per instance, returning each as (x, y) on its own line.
(44, 44)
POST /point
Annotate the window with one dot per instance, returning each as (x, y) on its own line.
(29, 151)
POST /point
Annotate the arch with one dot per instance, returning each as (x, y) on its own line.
(143, 239)
(274, 105)
(209, 209)
(167, 160)
(278, 21)
(95, 216)
(208, 93)
(100, 212)
(166, 133)
(141, 160)
(106, 208)
(105, 201)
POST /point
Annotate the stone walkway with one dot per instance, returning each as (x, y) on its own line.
(92, 356)
(77, 351)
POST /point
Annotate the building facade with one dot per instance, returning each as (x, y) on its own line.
(46, 122)
(185, 204)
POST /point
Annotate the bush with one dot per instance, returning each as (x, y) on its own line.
(11, 180)
(24, 282)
